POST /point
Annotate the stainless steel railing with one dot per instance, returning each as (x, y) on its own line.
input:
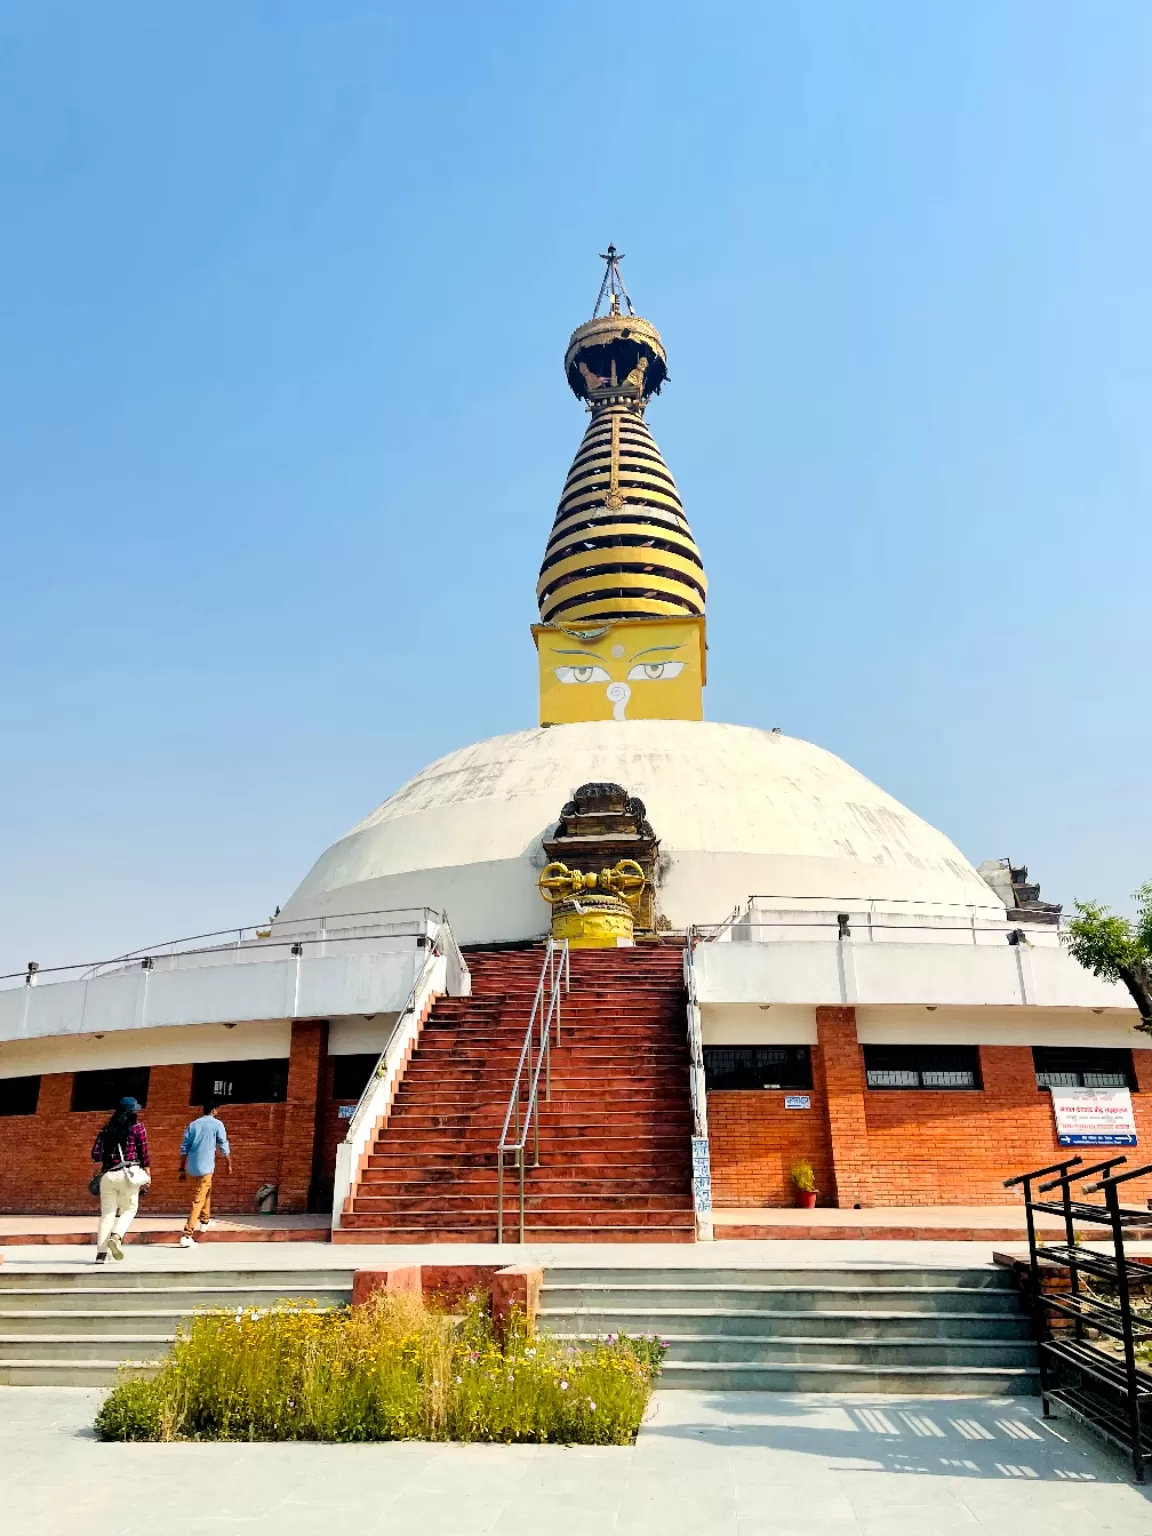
(520, 1123)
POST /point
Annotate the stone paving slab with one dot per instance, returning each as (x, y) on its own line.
(783, 1254)
(725, 1464)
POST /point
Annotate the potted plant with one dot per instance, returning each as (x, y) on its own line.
(804, 1184)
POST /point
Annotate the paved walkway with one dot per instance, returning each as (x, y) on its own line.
(65, 1231)
(784, 1254)
(733, 1464)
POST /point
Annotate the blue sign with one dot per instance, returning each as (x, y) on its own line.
(1099, 1139)
(701, 1174)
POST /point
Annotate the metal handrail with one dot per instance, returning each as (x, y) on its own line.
(557, 971)
(697, 1086)
(381, 1068)
(168, 948)
(443, 970)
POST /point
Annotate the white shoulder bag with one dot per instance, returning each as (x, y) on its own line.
(136, 1175)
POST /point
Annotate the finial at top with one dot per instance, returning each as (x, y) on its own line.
(613, 287)
(616, 356)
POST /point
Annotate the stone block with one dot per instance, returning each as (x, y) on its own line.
(399, 1278)
(517, 1286)
(452, 1284)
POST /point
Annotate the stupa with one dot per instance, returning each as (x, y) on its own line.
(621, 658)
(772, 961)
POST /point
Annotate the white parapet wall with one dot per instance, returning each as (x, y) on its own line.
(851, 972)
(304, 986)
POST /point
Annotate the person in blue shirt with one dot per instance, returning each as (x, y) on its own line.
(198, 1158)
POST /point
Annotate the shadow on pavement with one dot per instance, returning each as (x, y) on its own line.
(1005, 1439)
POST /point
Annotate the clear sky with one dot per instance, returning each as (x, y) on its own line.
(286, 288)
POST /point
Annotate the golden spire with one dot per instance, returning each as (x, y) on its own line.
(620, 546)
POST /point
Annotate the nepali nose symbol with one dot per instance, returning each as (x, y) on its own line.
(618, 695)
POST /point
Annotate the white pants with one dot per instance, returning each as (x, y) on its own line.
(119, 1198)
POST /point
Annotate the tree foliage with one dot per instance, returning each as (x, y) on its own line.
(1116, 948)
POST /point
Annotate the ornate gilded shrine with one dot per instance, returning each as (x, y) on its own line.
(593, 911)
(603, 858)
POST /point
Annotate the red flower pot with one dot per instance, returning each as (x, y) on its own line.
(806, 1199)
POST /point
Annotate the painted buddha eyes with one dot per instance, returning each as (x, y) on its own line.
(582, 675)
(655, 671)
(642, 672)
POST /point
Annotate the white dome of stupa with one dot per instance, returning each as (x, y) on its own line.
(739, 813)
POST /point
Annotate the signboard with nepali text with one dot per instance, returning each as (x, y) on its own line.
(1094, 1117)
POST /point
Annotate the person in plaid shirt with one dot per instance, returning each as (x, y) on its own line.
(121, 1149)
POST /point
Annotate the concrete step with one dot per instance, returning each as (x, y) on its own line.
(50, 1299)
(438, 1183)
(534, 1200)
(844, 1329)
(71, 1347)
(371, 1230)
(40, 1372)
(594, 1144)
(118, 1277)
(772, 1277)
(798, 1350)
(607, 1300)
(905, 1380)
(77, 1322)
(602, 1218)
(684, 1321)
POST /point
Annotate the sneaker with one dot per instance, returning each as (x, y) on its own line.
(115, 1247)
(101, 1258)
(187, 1240)
(206, 1226)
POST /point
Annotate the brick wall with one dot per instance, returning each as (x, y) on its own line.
(842, 1073)
(958, 1148)
(45, 1164)
(308, 1084)
(881, 1147)
(884, 1147)
(755, 1140)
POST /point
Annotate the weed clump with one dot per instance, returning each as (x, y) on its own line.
(393, 1369)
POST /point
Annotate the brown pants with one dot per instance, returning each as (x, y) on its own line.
(201, 1203)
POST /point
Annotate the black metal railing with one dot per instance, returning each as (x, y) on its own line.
(1089, 1328)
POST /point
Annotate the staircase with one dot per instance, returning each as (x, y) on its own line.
(615, 1137)
(76, 1328)
(913, 1331)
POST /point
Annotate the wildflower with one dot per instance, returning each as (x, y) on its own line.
(529, 1352)
(592, 1405)
(563, 1386)
(459, 1379)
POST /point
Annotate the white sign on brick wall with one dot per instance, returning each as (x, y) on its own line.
(1094, 1117)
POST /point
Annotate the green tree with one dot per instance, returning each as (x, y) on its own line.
(1115, 948)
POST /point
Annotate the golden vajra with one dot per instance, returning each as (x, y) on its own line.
(558, 882)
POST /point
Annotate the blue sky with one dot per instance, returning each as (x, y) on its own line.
(283, 423)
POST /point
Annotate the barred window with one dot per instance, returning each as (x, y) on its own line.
(1062, 1066)
(728, 1067)
(350, 1075)
(263, 1081)
(104, 1089)
(19, 1095)
(922, 1066)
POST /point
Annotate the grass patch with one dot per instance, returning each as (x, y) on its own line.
(394, 1369)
